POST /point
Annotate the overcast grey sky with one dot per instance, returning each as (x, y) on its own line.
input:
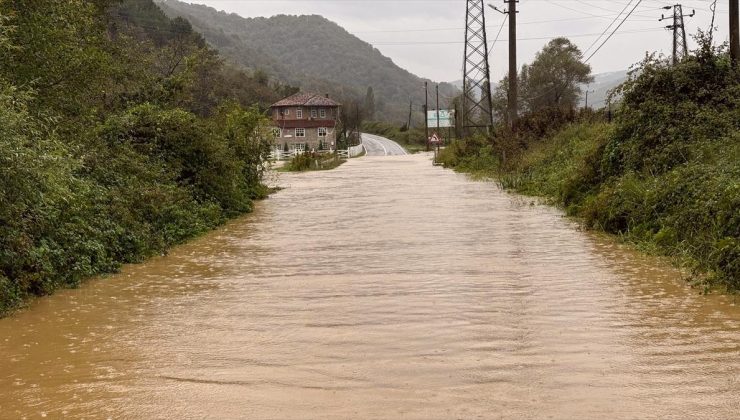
(426, 36)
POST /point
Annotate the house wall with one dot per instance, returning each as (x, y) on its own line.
(286, 123)
(312, 138)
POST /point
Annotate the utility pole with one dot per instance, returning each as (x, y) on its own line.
(513, 94)
(587, 92)
(411, 104)
(513, 83)
(357, 123)
(734, 33)
(457, 122)
(437, 109)
(426, 110)
(680, 48)
(476, 71)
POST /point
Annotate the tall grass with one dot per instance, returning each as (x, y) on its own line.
(665, 174)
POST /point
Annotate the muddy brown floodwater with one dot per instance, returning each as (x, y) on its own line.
(385, 289)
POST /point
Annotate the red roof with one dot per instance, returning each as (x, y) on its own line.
(306, 99)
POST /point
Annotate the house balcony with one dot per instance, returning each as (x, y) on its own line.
(305, 123)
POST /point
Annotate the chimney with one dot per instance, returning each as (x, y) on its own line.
(327, 96)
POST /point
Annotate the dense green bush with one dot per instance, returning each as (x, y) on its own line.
(665, 174)
(670, 115)
(473, 154)
(35, 182)
(310, 161)
(116, 148)
(671, 171)
(151, 178)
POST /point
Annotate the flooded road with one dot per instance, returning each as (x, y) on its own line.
(384, 289)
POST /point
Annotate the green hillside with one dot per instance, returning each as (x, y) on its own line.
(121, 134)
(311, 52)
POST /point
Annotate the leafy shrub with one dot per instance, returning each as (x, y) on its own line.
(301, 162)
(665, 173)
(669, 113)
(123, 142)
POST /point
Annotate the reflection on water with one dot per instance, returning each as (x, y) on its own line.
(384, 289)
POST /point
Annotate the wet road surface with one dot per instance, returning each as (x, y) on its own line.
(384, 289)
(381, 146)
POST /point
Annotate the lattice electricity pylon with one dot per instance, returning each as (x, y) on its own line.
(680, 47)
(476, 111)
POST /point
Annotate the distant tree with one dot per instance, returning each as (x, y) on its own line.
(370, 103)
(353, 115)
(500, 100)
(59, 51)
(183, 44)
(284, 90)
(553, 79)
(261, 77)
(456, 104)
(484, 92)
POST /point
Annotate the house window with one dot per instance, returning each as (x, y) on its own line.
(300, 132)
(322, 132)
(299, 113)
(322, 113)
(313, 113)
(276, 132)
(287, 111)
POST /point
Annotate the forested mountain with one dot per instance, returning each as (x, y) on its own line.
(311, 52)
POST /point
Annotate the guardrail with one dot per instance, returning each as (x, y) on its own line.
(355, 151)
(278, 154)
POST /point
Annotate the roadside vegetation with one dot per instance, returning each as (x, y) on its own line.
(664, 174)
(121, 134)
(310, 161)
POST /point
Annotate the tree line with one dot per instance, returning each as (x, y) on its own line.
(313, 52)
(121, 134)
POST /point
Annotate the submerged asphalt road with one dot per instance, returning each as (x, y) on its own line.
(386, 288)
(381, 146)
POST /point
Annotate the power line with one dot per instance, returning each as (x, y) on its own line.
(532, 22)
(614, 31)
(607, 28)
(498, 34)
(582, 12)
(540, 38)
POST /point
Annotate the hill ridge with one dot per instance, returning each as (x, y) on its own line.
(310, 51)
